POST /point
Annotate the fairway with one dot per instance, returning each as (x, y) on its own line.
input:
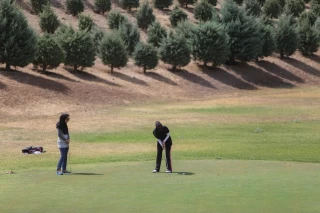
(195, 186)
(253, 152)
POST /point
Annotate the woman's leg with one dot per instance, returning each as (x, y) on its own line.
(65, 158)
(60, 160)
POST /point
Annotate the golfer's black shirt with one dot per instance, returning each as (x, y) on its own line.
(161, 133)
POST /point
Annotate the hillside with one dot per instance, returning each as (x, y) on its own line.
(25, 91)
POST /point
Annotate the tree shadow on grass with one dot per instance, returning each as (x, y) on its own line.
(129, 78)
(85, 173)
(2, 86)
(193, 78)
(228, 79)
(259, 77)
(90, 77)
(315, 58)
(58, 76)
(189, 9)
(88, 4)
(166, 11)
(159, 77)
(26, 78)
(25, 6)
(302, 66)
(56, 4)
(115, 2)
(279, 71)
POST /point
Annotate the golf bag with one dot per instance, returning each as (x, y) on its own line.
(31, 150)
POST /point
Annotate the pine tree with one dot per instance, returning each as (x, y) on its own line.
(213, 2)
(272, 8)
(113, 51)
(317, 27)
(282, 3)
(17, 39)
(75, 6)
(205, 11)
(85, 22)
(294, 7)
(230, 11)
(97, 35)
(146, 56)
(130, 35)
(177, 15)
(315, 7)
(102, 6)
(239, 2)
(267, 39)
(128, 4)
(78, 47)
(308, 38)
(308, 16)
(211, 44)
(161, 4)
(253, 7)
(174, 51)
(186, 2)
(156, 33)
(48, 20)
(145, 16)
(115, 19)
(186, 29)
(286, 36)
(48, 53)
(38, 5)
(244, 32)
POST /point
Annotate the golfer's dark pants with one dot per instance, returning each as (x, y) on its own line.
(63, 159)
(168, 156)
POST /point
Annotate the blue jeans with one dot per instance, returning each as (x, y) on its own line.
(63, 159)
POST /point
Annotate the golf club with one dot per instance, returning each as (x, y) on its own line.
(70, 162)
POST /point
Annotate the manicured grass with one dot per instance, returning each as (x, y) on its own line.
(205, 186)
(243, 110)
(284, 141)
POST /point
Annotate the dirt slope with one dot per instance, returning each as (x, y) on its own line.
(25, 92)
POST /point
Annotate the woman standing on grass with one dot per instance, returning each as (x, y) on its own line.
(63, 143)
(164, 142)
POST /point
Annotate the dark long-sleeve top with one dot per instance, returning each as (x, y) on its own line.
(161, 133)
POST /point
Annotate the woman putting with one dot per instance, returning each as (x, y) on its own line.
(164, 142)
(63, 143)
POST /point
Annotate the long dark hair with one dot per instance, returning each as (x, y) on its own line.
(62, 123)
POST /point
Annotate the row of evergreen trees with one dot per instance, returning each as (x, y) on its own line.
(272, 8)
(235, 35)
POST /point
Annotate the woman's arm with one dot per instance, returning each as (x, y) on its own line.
(61, 135)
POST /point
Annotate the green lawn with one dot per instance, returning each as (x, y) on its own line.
(195, 186)
(283, 140)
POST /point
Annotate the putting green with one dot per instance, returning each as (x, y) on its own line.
(195, 186)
